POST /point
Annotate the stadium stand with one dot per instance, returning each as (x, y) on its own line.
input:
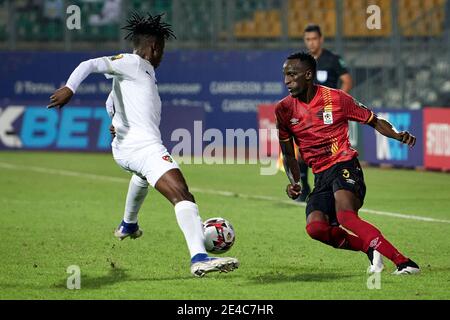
(253, 19)
(380, 77)
(3, 21)
(302, 12)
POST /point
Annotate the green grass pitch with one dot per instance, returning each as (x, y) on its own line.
(60, 209)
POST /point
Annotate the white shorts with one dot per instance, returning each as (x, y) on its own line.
(150, 162)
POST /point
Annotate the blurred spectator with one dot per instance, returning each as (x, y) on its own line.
(53, 10)
(110, 14)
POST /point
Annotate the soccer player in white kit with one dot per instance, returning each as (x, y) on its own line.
(137, 146)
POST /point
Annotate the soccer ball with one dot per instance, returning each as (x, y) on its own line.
(219, 235)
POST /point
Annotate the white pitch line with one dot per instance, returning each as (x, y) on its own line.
(68, 173)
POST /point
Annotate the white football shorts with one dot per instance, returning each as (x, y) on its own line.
(149, 162)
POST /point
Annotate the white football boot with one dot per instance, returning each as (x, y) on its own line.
(126, 230)
(201, 264)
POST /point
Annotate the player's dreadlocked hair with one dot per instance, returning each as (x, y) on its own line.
(305, 57)
(139, 26)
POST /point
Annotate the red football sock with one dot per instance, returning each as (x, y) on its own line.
(370, 236)
(333, 236)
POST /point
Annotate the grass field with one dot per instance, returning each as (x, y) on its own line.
(59, 209)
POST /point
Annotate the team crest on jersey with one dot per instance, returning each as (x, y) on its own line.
(327, 117)
(294, 121)
(167, 158)
(117, 57)
(345, 173)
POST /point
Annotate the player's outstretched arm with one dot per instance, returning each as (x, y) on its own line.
(291, 168)
(63, 95)
(387, 129)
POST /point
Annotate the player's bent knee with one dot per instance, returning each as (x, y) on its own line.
(323, 232)
(318, 230)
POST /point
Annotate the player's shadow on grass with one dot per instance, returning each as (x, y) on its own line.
(299, 277)
(114, 276)
(168, 278)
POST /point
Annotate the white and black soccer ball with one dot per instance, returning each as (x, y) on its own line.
(219, 235)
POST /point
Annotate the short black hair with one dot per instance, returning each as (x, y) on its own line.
(141, 26)
(313, 28)
(305, 57)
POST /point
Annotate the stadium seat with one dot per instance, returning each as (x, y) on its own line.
(301, 13)
(251, 29)
(421, 18)
(355, 18)
(268, 24)
(263, 24)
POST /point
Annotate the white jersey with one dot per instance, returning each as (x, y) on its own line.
(135, 98)
(109, 104)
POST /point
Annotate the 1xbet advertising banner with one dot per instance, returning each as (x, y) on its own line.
(379, 149)
(77, 128)
(227, 85)
(436, 130)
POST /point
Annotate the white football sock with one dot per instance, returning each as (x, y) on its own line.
(191, 224)
(137, 191)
